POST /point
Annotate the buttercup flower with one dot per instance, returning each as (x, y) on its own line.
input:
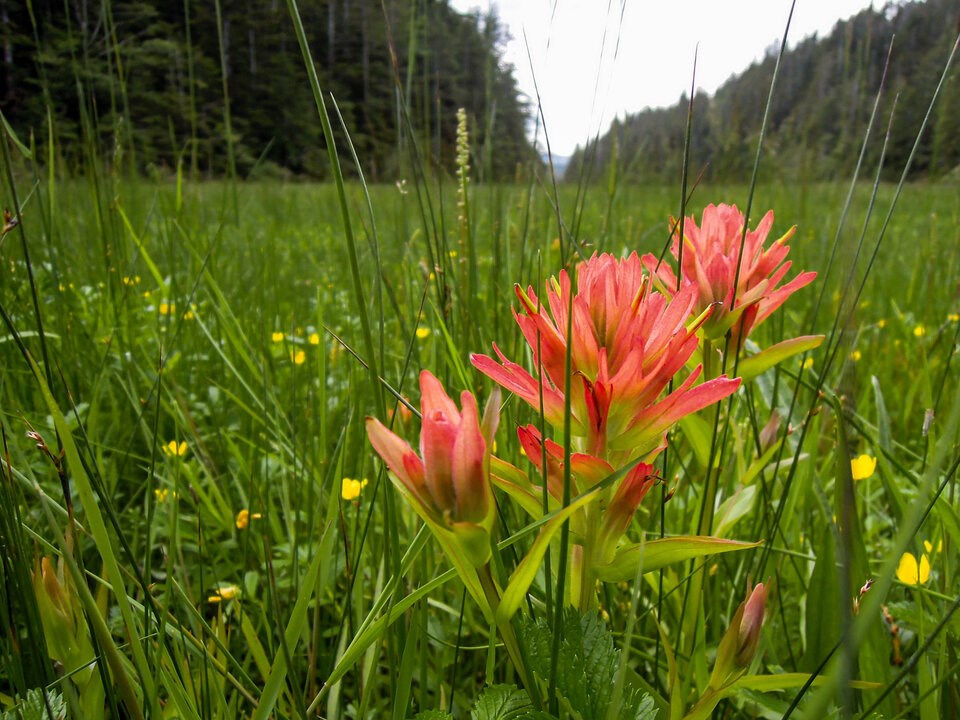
(244, 517)
(175, 449)
(911, 572)
(448, 484)
(224, 592)
(711, 252)
(627, 343)
(350, 488)
(863, 467)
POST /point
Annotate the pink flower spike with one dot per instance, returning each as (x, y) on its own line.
(711, 253)
(450, 485)
(626, 344)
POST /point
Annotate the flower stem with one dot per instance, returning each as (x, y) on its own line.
(507, 633)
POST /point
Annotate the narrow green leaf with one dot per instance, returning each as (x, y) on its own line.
(733, 509)
(656, 554)
(101, 536)
(698, 433)
(754, 365)
(24, 150)
(784, 681)
(526, 571)
(293, 632)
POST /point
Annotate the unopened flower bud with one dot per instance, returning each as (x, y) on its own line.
(739, 644)
(748, 636)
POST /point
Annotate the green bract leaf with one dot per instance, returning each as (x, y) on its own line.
(526, 571)
(655, 554)
(785, 681)
(754, 365)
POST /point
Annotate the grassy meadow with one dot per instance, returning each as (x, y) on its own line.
(206, 347)
(195, 523)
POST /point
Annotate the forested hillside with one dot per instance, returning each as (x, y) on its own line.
(151, 84)
(820, 111)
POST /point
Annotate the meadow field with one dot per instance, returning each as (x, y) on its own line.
(187, 368)
(442, 448)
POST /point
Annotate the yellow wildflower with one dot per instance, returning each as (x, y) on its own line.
(244, 517)
(314, 338)
(350, 488)
(928, 546)
(167, 308)
(277, 337)
(453, 253)
(855, 356)
(919, 331)
(224, 592)
(131, 281)
(953, 317)
(298, 357)
(423, 333)
(863, 467)
(175, 449)
(881, 323)
(808, 363)
(910, 572)
(163, 493)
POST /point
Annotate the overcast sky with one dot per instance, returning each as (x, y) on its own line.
(596, 59)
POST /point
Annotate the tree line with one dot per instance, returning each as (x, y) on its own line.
(820, 110)
(219, 86)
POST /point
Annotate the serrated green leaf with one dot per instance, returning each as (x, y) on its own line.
(655, 554)
(504, 702)
(586, 667)
(33, 707)
(433, 715)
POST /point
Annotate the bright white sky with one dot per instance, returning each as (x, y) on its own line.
(597, 59)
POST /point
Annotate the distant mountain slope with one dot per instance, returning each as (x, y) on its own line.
(820, 111)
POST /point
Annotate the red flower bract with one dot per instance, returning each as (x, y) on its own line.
(627, 344)
(450, 484)
(711, 253)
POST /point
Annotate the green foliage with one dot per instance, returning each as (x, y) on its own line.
(496, 702)
(586, 667)
(820, 110)
(38, 705)
(142, 83)
(505, 702)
